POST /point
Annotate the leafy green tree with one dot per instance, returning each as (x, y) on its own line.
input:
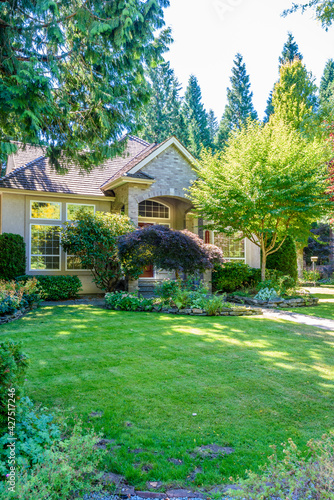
(94, 239)
(324, 11)
(195, 118)
(274, 180)
(289, 54)
(326, 90)
(239, 107)
(161, 117)
(72, 74)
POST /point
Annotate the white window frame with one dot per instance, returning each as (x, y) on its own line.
(154, 218)
(43, 218)
(31, 255)
(79, 205)
(229, 259)
(72, 270)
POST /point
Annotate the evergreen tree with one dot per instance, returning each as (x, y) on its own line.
(327, 83)
(294, 97)
(213, 126)
(290, 52)
(195, 118)
(161, 117)
(239, 107)
(72, 74)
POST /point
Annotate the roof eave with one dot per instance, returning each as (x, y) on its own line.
(120, 181)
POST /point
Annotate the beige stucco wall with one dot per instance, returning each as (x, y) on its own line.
(15, 218)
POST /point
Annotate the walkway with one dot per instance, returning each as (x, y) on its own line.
(303, 319)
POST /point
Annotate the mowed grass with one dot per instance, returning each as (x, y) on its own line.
(251, 382)
(325, 308)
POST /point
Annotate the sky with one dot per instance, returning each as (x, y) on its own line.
(208, 33)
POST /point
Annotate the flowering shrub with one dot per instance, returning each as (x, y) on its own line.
(122, 301)
(267, 294)
(295, 477)
(15, 296)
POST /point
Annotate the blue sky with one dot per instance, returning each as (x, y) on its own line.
(208, 33)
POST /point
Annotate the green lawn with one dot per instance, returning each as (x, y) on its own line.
(251, 381)
(325, 309)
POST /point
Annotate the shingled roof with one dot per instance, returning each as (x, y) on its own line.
(36, 174)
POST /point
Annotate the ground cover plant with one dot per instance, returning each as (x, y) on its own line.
(166, 385)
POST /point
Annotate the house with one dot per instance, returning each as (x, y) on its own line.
(148, 183)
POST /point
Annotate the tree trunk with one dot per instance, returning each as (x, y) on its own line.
(300, 260)
(263, 265)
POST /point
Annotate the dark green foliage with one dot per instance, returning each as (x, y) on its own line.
(73, 74)
(326, 90)
(270, 107)
(13, 365)
(12, 256)
(94, 239)
(56, 287)
(285, 259)
(195, 118)
(120, 301)
(213, 126)
(319, 247)
(233, 276)
(35, 431)
(239, 107)
(290, 51)
(161, 117)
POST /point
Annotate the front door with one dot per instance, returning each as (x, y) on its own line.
(149, 270)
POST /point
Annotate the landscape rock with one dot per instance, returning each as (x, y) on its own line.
(183, 494)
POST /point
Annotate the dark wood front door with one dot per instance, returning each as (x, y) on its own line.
(149, 270)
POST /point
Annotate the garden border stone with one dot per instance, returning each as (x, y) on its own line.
(226, 311)
(17, 315)
(274, 304)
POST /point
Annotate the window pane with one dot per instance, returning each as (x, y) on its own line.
(232, 246)
(45, 247)
(74, 208)
(45, 210)
(73, 262)
(152, 209)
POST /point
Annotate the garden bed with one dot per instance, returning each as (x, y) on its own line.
(16, 315)
(226, 311)
(278, 302)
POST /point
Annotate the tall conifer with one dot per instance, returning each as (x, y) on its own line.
(239, 107)
(162, 117)
(195, 118)
(327, 83)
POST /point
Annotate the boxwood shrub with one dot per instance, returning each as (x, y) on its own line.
(232, 276)
(56, 287)
(12, 256)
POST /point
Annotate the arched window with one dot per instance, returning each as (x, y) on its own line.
(153, 210)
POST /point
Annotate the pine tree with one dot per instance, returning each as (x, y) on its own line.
(161, 117)
(327, 83)
(195, 118)
(239, 107)
(213, 126)
(290, 52)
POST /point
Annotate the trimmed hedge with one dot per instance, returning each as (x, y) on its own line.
(285, 259)
(12, 256)
(56, 287)
(232, 276)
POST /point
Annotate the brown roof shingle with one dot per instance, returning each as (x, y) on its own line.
(38, 175)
